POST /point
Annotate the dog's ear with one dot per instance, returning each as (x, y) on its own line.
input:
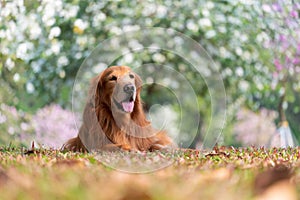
(138, 102)
(138, 81)
(138, 114)
(95, 90)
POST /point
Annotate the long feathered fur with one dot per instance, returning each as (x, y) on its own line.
(100, 131)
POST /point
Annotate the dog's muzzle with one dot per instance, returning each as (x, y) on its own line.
(127, 104)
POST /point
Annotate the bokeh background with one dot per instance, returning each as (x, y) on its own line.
(254, 44)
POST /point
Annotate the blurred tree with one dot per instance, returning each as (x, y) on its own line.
(43, 44)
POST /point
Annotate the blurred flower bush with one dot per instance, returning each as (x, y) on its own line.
(256, 129)
(50, 126)
(53, 126)
(15, 126)
(255, 44)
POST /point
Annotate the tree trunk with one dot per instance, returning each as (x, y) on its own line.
(282, 116)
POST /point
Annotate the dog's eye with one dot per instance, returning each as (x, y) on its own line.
(131, 76)
(113, 78)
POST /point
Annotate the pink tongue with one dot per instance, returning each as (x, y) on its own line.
(128, 106)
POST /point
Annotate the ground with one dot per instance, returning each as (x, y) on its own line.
(222, 173)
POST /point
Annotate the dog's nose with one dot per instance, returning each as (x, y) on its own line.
(129, 88)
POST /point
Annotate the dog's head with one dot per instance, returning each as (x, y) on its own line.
(119, 87)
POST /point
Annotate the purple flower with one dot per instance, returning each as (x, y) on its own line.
(288, 60)
(282, 38)
(284, 42)
(249, 129)
(278, 65)
(294, 14)
(54, 126)
(298, 48)
(275, 74)
(296, 61)
(297, 6)
(277, 7)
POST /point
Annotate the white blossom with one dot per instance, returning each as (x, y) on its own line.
(4, 50)
(220, 18)
(35, 31)
(48, 17)
(238, 51)
(129, 28)
(55, 47)
(205, 22)
(234, 20)
(2, 33)
(2, 118)
(128, 58)
(36, 66)
(71, 11)
(222, 29)
(78, 55)
(115, 30)
(99, 68)
(224, 52)
(243, 85)
(210, 34)
(24, 126)
(266, 8)
(239, 71)
(191, 25)
(210, 5)
(98, 18)
(82, 41)
(246, 55)
(10, 9)
(54, 32)
(80, 24)
(205, 12)
(261, 37)
(11, 31)
(62, 61)
(62, 73)
(227, 72)
(134, 44)
(158, 57)
(22, 50)
(9, 64)
(30, 87)
(149, 9)
(11, 130)
(244, 38)
(16, 77)
(161, 11)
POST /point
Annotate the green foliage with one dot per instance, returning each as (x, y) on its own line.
(44, 43)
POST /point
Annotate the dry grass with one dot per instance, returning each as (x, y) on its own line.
(224, 173)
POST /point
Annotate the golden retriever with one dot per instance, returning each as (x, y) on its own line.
(114, 117)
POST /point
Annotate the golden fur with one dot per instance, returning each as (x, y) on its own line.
(104, 130)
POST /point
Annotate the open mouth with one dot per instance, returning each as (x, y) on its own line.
(126, 105)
